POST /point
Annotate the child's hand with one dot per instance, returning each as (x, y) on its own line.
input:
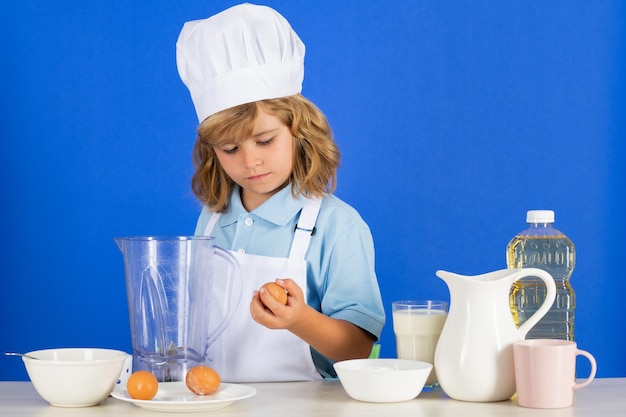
(334, 338)
(271, 313)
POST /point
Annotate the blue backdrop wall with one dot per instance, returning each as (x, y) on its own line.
(453, 118)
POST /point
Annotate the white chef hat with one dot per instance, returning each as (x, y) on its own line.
(244, 54)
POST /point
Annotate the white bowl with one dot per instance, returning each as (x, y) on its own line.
(383, 380)
(74, 377)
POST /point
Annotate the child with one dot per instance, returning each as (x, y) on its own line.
(265, 170)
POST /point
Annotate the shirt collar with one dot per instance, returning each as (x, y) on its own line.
(279, 209)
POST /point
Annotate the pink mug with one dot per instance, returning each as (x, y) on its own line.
(545, 372)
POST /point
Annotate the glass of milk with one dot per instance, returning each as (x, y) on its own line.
(417, 325)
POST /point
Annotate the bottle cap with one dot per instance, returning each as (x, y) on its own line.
(540, 216)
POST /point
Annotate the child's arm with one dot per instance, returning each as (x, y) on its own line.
(336, 339)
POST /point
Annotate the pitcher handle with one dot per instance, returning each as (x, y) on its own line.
(230, 259)
(547, 303)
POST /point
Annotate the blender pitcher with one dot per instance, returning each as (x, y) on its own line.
(173, 319)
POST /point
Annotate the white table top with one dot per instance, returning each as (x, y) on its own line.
(605, 397)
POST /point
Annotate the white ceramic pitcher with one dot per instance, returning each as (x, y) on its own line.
(474, 355)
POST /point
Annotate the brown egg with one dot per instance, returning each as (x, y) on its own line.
(142, 385)
(202, 380)
(277, 292)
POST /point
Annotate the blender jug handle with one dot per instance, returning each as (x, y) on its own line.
(232, 285)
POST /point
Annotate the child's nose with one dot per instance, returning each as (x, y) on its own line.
(251, 159)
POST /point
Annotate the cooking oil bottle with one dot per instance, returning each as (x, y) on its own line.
(542, 246)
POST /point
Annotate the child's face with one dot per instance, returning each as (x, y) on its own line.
(262, 163)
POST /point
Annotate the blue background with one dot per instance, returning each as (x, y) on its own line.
(453, 119)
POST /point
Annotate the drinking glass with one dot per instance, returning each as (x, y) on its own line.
(417, 325)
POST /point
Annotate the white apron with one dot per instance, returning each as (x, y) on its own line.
(248, 351)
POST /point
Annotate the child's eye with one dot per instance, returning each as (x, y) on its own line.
(229, 150)
(265, 142)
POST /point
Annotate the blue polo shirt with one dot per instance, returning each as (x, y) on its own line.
(341, 280)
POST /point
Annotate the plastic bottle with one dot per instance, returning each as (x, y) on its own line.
(543, 246)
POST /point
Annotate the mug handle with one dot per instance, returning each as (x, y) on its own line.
(592, 375)
(547, 303)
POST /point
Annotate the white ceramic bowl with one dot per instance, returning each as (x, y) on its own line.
(74, 377)
(383, 380)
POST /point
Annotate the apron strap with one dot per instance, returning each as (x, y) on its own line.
(211, 224)
(305, 228)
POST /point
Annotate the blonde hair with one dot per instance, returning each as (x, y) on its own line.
(316, 156)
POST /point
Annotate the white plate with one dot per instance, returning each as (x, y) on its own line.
(176, 397)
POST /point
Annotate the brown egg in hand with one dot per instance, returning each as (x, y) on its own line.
(277, 292)
(202, 380)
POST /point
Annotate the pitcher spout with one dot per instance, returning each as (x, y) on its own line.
(505, 275)
(448, 277)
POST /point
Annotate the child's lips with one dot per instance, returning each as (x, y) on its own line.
(257, 177)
